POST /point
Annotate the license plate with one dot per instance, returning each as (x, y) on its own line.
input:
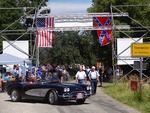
(79, 96)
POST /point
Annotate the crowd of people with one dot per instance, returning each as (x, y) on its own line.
(42, 72)
(35, 74)
(93, 74)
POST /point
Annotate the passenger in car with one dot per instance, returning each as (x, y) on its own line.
(16, 76)
(49, 75)
(38, 76)
(58, 73)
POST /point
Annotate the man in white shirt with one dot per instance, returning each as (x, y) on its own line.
(80, 76)
(93, 77)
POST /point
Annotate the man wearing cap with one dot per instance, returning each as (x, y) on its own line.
(93, 77)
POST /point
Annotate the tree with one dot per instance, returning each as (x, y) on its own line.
(71, 48)
(139, 13)
(13, 16)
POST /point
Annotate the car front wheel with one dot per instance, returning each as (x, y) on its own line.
(15, 97)
(52, 97)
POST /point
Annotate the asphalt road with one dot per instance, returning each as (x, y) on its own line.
(99, 103)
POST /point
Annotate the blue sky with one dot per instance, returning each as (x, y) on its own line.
(69, 6)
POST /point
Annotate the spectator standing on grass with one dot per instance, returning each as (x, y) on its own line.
(117, 71)
(100, 71)
(109, 74)
(81, 76)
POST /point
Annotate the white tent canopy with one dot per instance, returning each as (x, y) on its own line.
(7, 59)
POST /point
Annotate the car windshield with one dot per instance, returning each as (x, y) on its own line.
(52, 79)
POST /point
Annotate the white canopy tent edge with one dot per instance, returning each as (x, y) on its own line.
(7, 59)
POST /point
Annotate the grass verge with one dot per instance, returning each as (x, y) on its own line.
(121, 91)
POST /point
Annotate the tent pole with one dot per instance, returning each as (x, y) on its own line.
(37, 59)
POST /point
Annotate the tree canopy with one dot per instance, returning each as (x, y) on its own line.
(13, 21)
(137, 9)
(71, 48)
(13, 14)
(138, 20)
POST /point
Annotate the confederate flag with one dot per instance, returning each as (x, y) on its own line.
(104, 36)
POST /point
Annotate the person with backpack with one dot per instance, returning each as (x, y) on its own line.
(93, 77)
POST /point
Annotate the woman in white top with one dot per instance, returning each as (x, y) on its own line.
(81, 76)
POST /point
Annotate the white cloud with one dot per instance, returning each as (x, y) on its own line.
(68, 7)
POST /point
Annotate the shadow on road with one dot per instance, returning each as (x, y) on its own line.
(61, 103)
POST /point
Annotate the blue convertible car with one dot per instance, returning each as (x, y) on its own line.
(50, 90)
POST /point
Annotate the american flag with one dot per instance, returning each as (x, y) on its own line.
(45, 38)
(44, 35)
(45, 22)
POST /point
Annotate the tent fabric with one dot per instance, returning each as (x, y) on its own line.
(8, 59)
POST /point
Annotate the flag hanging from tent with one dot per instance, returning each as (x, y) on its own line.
(44, 34)
(104, 35)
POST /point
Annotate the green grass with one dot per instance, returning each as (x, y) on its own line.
(121, 91)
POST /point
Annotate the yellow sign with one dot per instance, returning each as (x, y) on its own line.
(140, 50)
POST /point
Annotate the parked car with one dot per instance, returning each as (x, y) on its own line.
(50, 90)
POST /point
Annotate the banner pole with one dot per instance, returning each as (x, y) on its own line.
(140, 81)
(37, 48)
(113, 44)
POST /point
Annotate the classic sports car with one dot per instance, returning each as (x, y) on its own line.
(50, 90)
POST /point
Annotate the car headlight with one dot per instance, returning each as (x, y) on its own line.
(88, 88)
(66, 89)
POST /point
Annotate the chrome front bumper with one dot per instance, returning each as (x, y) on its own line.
(73, 95)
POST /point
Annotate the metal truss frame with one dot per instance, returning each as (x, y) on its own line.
(115, 56)
(72, 18)
(80, 17)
